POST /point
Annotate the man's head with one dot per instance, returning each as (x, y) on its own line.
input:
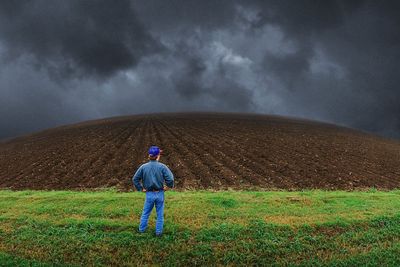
(154, 153)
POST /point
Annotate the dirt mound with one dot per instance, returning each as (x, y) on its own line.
(204, 150)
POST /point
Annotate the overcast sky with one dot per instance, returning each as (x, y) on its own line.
(67, 61)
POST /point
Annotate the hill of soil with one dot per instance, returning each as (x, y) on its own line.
(204, 150)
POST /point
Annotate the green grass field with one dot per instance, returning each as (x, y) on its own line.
(334, 228)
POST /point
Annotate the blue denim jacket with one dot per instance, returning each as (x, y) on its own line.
(153, 174)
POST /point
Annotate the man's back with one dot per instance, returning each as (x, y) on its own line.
(153, 174)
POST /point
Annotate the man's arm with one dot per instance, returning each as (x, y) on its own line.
(168, 177)
(136, 179)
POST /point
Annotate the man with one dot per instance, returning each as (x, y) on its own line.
(153, 174)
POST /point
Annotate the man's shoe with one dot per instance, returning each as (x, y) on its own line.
(140, 232)
(159, 235)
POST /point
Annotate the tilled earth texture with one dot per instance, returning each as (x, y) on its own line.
(204, 151)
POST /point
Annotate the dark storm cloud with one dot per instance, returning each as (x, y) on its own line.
(289, 68)
(369, 50)
(188, 83)
(95, 37)
(360, 39)
(299, 19)
(65, 61)
(194, 80)
(176, 14)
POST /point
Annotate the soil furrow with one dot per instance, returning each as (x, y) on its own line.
(184, 176)
(229, 171)
(202, 172)
(40, 163)
(120, 165)
(249, 170)
(127, 160)
(145, 142)
(258, 160)
(288, 174)
(221, 174)
(204, 150)
(94, 170)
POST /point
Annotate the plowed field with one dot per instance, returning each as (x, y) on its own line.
(204, 150)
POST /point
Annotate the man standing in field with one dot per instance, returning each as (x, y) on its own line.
(153, 174)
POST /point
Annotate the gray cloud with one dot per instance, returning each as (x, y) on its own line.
(71, 37)
(65, 61)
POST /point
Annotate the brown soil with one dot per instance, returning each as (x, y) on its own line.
(204, 150)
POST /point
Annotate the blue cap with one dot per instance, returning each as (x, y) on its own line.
(154, 151)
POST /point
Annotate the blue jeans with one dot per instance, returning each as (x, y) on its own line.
(153, 199)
